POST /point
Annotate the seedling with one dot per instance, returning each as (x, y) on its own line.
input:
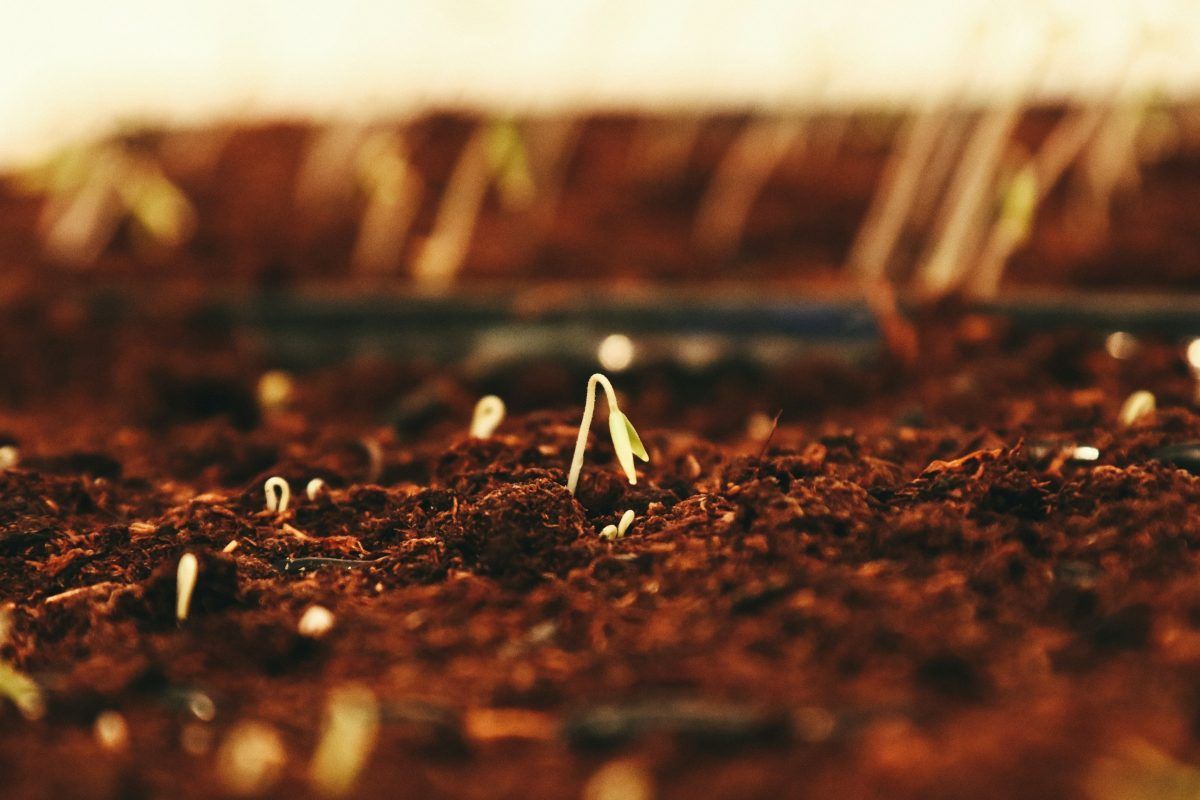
(625, 439)
(314, 488)
(185, 584)
(619, 530)
(278, 493)
(351, 727)
(489, 413)
(315, 622)
(1136, 406)
(111, 731)
(10, 456)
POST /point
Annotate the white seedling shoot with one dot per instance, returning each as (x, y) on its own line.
(111, 731)
(625, 439)
(185, 584)
(1136, 406)
(10, 456)
(314, 488)
(316, 622)
(489, 413)
(618, 531)
(278, 493)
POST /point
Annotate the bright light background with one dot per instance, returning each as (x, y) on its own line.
(77, 67)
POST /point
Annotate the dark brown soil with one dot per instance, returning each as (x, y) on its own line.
(918, 589)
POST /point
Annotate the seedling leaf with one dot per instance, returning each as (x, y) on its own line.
(635, 441)
(619, 428)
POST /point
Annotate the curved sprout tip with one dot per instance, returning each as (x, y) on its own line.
(314, 488)
(489, 413)
(278, 493)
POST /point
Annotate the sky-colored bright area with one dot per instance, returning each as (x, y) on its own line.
(76, 67)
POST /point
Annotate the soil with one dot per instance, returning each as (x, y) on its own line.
(915, 586)
(615, 222)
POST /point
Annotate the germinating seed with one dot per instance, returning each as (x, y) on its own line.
(314, 488)
(1136, 406)
(489, 413)
(10, 456)
(626, 521)
(185, 584)
(278, 493)
(316, 622)
(110, 731)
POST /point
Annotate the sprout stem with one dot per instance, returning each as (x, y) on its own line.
(625, 439)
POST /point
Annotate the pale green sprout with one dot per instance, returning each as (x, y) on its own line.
(625, 439)
(1136, 406)
(489, 413)
(316, 622)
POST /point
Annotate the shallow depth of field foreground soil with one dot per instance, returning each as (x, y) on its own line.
(920, 587)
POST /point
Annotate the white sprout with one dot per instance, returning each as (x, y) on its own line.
(489, 413)
(613, 532)
(314, 488)
(278, 493)
(185, 584)
(625, 439)
(10, 456)
(315, 622)
(111, 731)
(1136, 406)
(351, 726)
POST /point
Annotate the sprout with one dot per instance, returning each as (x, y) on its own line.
(351, 725)
(251, 759)
(229, 548)
(10, 456)
(278, 493)
(625, 439)
(1136, 406)
(618, 531)
(275, 390)
(489, 413)
(111, 731)
(185, 584)
(314, 488)
(22, 691)
(316, 622)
